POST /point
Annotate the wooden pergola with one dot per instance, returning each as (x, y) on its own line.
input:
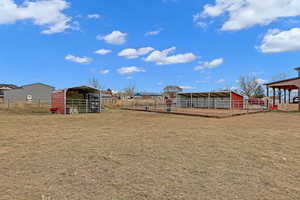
(287, 86)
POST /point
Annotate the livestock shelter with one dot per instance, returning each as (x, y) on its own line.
(75, 100)
(210, 100)
(282, 92)
(32, 93)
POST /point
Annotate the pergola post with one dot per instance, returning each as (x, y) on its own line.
(274, 96)
(284, 96)
(268, 95)
(279, 95)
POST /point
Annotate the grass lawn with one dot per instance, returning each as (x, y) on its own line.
(127, 155)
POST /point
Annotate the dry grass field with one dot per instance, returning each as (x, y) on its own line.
(127, 155)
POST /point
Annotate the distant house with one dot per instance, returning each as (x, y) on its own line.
(5, 87)
(37, 92)
(148, 95)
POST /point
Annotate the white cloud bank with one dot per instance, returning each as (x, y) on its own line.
(130, 70)
(94, 16)
(135, 53)
(46, 13)
(153, 33)
(80, 60)
(247, 13)
(102, 51)
(115, 38)
(210, 65)
(276, 41)
(104, 71)
(164, 58)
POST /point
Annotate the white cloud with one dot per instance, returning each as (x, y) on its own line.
(163, 58)
(220, 81)
(115, 38)
(102, 51)
(81, 60)
(135, 53)
(104, 71)
(130, 70)
(276, 41)
(187, 87)
(94, 16)
(152, 33)
(210, 65)
(247, 13)
(46, 13)
(261, 81)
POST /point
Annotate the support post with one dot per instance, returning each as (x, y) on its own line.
(290, 96)
(268, 95)
(279, 95)
(191, 100)
(274, 96)
(284, 96)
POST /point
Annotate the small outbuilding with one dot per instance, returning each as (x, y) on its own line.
(75, 100)
(211, 100)
(32, 93)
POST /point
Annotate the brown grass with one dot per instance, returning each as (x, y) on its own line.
(124, 155)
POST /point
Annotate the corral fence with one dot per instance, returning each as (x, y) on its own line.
(43, 105)
(199, 106)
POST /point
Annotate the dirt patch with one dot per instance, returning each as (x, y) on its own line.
(135, 155)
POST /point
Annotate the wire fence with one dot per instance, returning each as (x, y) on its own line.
(217, 106)
(73, 106)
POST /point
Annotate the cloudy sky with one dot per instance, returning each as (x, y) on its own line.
(197, 44)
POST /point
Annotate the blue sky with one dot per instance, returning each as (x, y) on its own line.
(201, 45)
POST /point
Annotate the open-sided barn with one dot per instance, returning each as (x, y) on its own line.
(218, 100)
(81, 99)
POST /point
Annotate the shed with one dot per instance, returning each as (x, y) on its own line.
(75, 100)
(32, 93)
(215, 100)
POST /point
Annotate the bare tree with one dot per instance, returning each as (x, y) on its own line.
(280, 76)
(94, 82)
(130, 90)
(250, 87)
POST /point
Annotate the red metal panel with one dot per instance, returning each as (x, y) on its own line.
(237, 101)
(58, 101)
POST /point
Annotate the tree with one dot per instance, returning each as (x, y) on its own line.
(172, 90)
(259, 92)
(250, 87)
(94, 82)
(130, 90)
(280, 76)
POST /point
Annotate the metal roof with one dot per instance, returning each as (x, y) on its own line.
(211, 94)
(292, 83)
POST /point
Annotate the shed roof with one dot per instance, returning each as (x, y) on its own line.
(211, 94)
(82, 87)
(292, 83)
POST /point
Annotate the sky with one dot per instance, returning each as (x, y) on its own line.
(200, 45)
